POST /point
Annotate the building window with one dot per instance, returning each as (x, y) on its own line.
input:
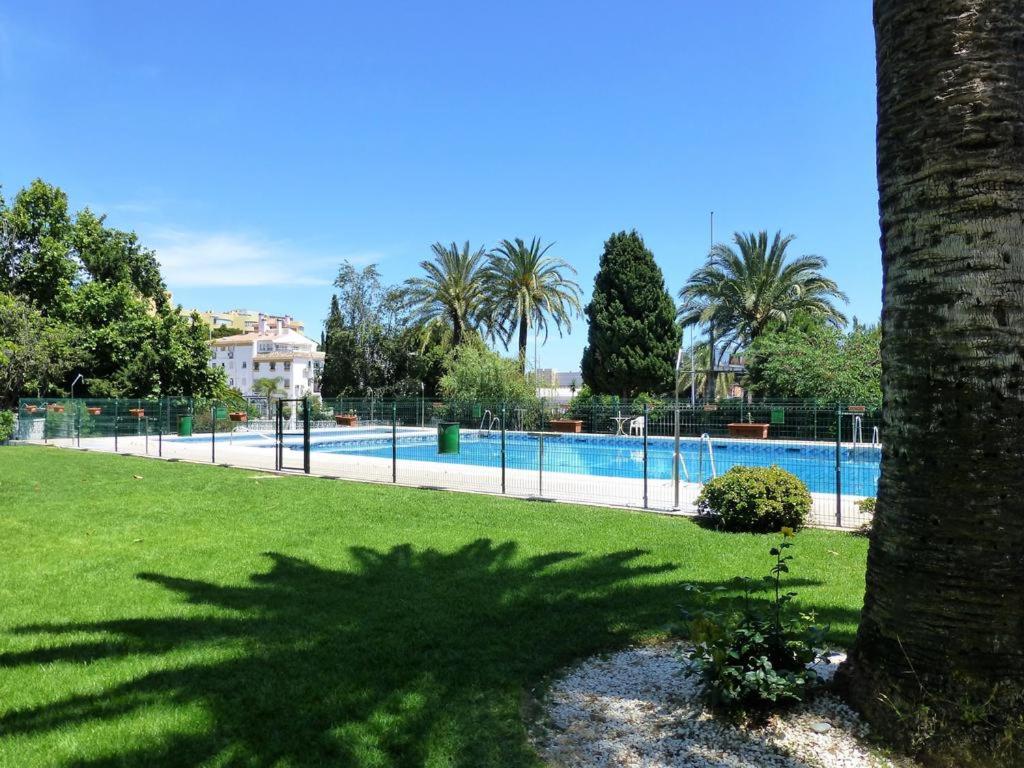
(287, 366)
(256, 366)
(243, 363)
(231, 382)
(273, 366)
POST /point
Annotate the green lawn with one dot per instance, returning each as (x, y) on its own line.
(198, 615)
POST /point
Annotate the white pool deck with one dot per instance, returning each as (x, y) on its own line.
(259, 454)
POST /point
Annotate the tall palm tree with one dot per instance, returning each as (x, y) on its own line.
(451, 290)
(526, 287)
(742, 290)
(737, 294)
(938, 663)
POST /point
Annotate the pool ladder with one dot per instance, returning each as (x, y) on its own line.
(491, 421)
(705, 438)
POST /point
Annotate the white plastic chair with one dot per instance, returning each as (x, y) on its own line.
(637, 426)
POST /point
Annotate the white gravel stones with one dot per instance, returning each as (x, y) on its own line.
(637, 708)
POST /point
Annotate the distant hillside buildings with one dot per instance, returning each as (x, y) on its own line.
(247, 320)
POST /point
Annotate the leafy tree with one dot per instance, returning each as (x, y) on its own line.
(364, 342)
(633, 336)
(817, 362)
(527, 287)
(479, 375)
(102, 297)
(34, 259)
(113, 256)
(36, 352)
(223, 331)
(450, 292)
(738, 294)
(938, 662)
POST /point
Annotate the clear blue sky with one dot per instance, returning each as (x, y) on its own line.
(255, 146)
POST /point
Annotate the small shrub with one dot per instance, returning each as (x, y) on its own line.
(756, 499)
(6, 426)
(754, 657)
(867, 507)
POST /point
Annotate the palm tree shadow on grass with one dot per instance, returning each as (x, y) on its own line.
(410, 655)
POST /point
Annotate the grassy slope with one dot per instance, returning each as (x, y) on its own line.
(201, 616)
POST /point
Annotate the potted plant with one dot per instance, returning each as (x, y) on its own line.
(238, 416)
(138, 413)
(346, 419)
(56, 408)
(94, 410)
(31, 408)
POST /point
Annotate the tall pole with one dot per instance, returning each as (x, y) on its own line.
(693, 373)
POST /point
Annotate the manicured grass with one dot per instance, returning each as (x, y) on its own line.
(201, 615)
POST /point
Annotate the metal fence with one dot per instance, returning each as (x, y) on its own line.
(650, 454)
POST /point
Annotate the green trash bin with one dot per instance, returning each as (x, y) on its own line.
(448, 437)
(184, 426)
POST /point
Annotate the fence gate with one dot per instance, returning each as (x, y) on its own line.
(291, 434)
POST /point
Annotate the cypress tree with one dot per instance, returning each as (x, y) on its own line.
(633, 335)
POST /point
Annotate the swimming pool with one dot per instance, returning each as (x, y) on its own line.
(606, 456)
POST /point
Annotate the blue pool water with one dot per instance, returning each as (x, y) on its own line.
(623, 457)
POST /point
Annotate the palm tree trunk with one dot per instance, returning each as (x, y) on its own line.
(524, 340)
(938, 663)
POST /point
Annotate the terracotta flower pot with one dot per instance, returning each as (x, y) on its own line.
(238, 416)
(346, 420)
(31, 408)
(94, 411)
(57, 408)
(137, 412)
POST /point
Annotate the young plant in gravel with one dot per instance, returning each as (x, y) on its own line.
(753, 655)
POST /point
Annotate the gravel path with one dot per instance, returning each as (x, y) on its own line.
(637, 708)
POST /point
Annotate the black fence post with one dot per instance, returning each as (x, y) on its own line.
(394, 441)
(160, 427)
(839, 471)
(116, 409)
(502, 447)
(305, 434)
(646, 429)
(213, 434)
(78, 424)
(278, 436)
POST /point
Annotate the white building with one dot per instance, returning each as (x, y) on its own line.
(270, 353)
(557, 386)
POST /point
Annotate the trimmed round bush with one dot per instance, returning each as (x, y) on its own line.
(756, 500)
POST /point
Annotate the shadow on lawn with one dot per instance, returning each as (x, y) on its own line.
(411, 657)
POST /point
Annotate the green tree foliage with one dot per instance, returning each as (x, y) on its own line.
(479, 375)
(34, 260)
(222, 331)
(633, 336)
(819, 362)
(742, 291)
(116, 257)
(372, 345)
(85, 298)
(525, 287)
(450, 292)
(35, 351)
